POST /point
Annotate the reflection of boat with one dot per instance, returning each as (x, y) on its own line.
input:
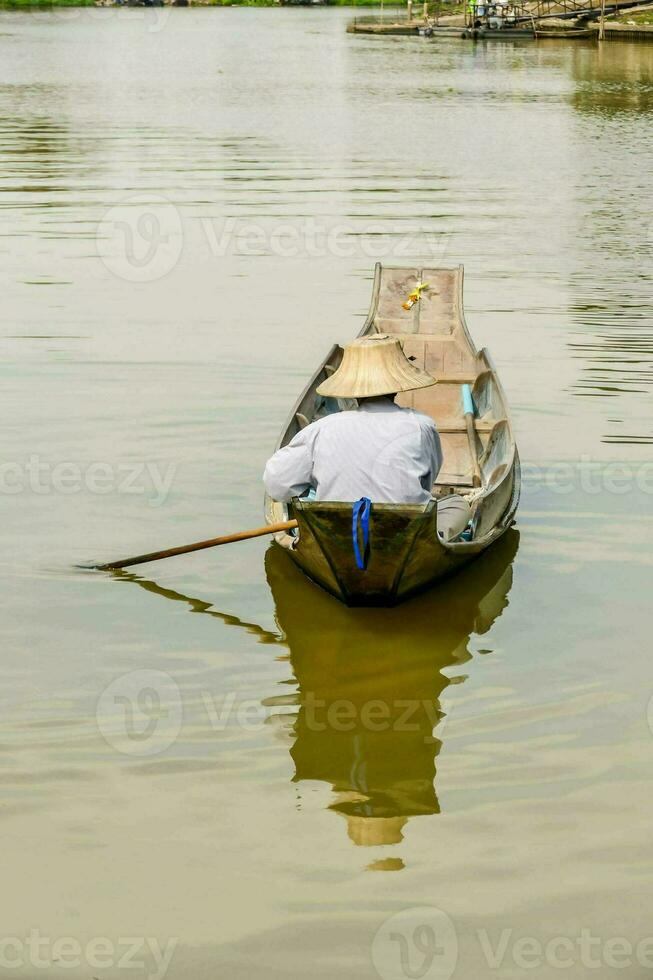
(405, 552)
(369, 684)
(369, 687)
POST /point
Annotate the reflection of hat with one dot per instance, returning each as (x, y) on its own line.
(372, 831)
(371, 366)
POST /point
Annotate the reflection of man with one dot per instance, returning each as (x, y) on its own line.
(380, 450)
(374, 743)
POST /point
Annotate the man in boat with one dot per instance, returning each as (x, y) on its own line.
(380, 450)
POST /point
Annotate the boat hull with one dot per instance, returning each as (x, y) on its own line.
(406, 552)
(406, 555)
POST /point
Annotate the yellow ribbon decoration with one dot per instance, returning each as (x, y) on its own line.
(415, 295)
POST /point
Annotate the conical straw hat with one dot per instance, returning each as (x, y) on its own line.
(371, 366)
(375, 831)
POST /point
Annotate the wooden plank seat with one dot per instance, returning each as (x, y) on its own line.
(458, 425)
(464, 378)
(450, 482)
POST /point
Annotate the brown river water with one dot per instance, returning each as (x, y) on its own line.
(209, 768)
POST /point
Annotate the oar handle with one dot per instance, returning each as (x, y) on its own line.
(469, 411)
(468, 401)
(185, 549)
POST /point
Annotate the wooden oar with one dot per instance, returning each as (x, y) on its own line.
(184, 549)
(468, 409)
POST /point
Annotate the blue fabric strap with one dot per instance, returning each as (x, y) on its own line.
(361, 513)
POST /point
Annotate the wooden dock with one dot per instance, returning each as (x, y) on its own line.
(590, 32)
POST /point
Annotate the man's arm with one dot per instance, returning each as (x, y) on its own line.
(290, 471)
(432, 450)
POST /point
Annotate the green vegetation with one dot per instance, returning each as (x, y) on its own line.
(42, 4)
(390, 8)
(435, 8)
(274, 3)
(233, 3)
(645, 17)
(446, 9)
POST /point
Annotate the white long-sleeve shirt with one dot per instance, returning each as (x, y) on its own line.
(381, 451)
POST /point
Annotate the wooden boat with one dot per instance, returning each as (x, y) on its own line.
(566, 33)
(406, 554)
(511, 33)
